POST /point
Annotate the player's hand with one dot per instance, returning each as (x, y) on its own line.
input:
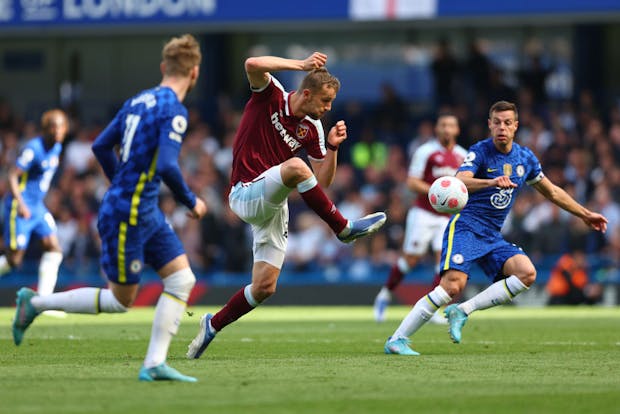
(596, 221)
(23, 210)
(503, 181)
(315, 61)
(337, 134)
(199, 210)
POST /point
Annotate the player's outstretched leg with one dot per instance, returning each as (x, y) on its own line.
(383, 299)
(24, 313)
(399, 346)
(163, 372)
(362, 227)
(438, 319)
(456, 318)
(202, 340)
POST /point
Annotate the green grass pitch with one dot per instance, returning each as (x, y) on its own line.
(320, 360)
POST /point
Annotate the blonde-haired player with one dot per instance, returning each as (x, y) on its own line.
(149, 129)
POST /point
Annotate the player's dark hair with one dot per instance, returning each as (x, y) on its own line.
(315, 80)
(502, 106)
(180, 55)
(443, 114)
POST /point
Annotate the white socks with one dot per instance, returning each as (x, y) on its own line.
(421, 312)
(48, 272)
(168, 314)
(83, 300)
(384, 294)
(402, 265)
(247, 292)
(5, 267)
(500, 292)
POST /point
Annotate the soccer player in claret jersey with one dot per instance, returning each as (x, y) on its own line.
(433, 159)
(149, 130)
(493, 170)
(276, 125)
(25, 211)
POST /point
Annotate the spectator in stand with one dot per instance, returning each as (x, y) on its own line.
(391, 114)
(79, 157)
(569, 282)
(478, 67)
(533, 76)
(445, 70)
(578, 171)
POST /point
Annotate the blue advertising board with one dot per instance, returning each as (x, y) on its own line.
(66, 13)
(110, 12)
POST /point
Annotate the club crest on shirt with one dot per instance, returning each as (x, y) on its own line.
(302, 131)
(520, 170)
(135, 266)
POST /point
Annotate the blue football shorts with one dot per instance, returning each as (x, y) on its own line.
(125, 249)
(462, 247)
(18, 230)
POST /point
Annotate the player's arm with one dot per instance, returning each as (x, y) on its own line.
(103, 148)
(415, 174)
(562, 199)
(325, 170)
(170, 172)
(258, 68)
(14, 173)
(474, 184)
(417, 185)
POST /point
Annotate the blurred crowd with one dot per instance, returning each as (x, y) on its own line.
(576, 139)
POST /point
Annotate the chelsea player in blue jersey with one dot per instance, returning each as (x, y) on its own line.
(149, 130)
(24, 208)
(493, 170)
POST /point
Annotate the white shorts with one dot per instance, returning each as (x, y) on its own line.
(423, 229)
(263, 203)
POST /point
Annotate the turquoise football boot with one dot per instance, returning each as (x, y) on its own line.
(163, 372)
(24, 313)
(399, 346)
(456, 318)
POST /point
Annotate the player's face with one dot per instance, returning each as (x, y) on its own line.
(316, 104)
(447, 129)
(503, 127)
(57, 128)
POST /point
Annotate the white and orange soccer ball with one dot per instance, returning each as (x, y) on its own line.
(448, 195)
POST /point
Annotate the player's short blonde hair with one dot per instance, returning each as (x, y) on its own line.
(315, 80)
(48, 117)
(180, 55)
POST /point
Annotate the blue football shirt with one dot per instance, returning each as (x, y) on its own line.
(39, 165)
(149, 130)
(487, 209)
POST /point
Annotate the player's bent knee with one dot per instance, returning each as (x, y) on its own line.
(180, 283)
(452, 289)
(297, 169)
(453, 282)
(528, 278)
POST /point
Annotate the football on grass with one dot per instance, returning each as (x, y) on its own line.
(448, 195)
